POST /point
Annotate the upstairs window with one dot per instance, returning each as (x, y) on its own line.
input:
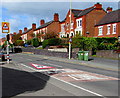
(100, 30)
(114, 28)
(108, 29)
(79, 23)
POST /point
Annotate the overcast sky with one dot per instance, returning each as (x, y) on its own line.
(22, 14)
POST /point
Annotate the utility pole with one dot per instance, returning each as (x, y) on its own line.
(70, 40)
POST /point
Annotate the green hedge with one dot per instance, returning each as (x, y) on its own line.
(51, 42)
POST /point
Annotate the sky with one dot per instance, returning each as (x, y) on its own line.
(22, 13)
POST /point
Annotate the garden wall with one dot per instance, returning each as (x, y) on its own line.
(107, 54)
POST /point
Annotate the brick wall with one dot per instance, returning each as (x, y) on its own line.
(92, 19)
(107, 54)
(111, 30)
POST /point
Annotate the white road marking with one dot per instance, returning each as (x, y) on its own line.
(52, 64)
(79, 87)
(70, 83)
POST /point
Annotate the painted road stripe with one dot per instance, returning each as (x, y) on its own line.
(79, 87)
(70, 83)
(39, 66)
(52, 64)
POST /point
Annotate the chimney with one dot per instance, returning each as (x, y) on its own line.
(25, 29)
(98, 6)
(33, 26)
(14, 33)
(109, 9)
(56, 17)
(20, 31)
(42, 22)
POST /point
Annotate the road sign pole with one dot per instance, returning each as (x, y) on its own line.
(69, 50)
(8, 52)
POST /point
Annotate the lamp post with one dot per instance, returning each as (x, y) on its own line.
(87, 33)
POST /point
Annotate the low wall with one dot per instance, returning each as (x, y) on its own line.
(107, 54)
(49, 53)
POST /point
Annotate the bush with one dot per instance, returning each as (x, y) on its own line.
(84, 43)
(29, 42)
(107, 43)
(19, 43)
(35, 42)
(51, 42)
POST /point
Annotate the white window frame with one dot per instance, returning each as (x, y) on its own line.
(72, 25)
(108, 29)
(79, 23)
(114, 28)
(100, 32)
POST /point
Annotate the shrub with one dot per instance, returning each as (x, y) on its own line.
(35, 42)
(19, 43)
(29, 42)
(51, 42)
(84, 43)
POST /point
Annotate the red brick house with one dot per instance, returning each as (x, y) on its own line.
(109, 25)
(28, 33)
(82, 21)
(2, 40)
(48, 27)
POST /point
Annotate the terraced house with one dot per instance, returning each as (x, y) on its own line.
(109, 25)
(51, 27)
(82, 21)
(28, 33)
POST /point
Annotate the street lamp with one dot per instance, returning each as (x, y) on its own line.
(87, 33)
(119, 39)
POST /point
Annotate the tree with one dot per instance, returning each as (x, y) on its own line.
(50, 35)
(15, 38)
(84, 43)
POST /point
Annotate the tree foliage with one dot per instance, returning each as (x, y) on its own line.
(35, 42)
(50, 35)
(51, 42)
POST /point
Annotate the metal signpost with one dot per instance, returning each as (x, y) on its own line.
(70, 41)
(6, 29)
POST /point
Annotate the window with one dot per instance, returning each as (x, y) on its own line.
(100, 30)
(114, 28)
(79, 22)
(108, 29)
(72, 25)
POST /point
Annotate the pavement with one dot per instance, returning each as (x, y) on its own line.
(95, 62)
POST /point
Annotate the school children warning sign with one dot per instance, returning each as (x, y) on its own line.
(5, 27)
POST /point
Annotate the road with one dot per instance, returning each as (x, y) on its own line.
(40, 76)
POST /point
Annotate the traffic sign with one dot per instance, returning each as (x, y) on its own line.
(5, 27)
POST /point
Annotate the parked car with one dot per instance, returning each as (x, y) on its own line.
(2, 56)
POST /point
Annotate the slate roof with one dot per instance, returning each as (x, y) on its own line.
(76, 12)
(44, 25)
(86, 11)
(111, 17)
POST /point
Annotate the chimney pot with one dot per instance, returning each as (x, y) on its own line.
(20, 31)
(109, 9)
(98, 6)
(42, 22)
(56, 17)
(33, 26)
(25, 29)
